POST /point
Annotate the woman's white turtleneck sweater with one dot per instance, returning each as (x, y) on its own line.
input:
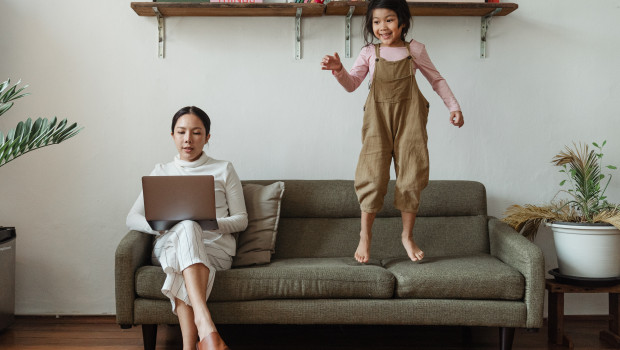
(230, 206)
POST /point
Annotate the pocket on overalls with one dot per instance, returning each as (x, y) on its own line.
(393, 90)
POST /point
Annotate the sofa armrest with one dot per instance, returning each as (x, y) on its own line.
(133, 251)
(517, 251)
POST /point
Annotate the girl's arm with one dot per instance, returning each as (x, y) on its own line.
(237, 221)
(349, 80)
(439, 84)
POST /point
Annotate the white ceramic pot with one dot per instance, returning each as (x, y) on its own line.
(587, 250)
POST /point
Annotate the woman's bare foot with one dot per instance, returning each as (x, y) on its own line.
(413, 251)
(362, 254)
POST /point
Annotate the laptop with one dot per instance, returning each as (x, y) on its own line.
(169, 200)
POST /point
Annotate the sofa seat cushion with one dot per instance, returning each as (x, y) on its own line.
(456, 277)
(298, 278)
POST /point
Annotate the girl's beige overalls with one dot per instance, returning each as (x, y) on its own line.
(395, 117)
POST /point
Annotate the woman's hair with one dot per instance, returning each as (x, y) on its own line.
(402, 12)
(194, 111)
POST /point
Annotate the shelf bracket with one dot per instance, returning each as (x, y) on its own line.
(484, 27)
(298, 34)
(347, 32)
(161, 30)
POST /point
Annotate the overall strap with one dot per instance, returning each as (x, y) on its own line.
(377, 49)
(410, 57)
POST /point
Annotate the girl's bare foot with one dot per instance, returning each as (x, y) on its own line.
(362, 254)
(413, 251)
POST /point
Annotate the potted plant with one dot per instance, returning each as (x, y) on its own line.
(586, 227)
(27, 136)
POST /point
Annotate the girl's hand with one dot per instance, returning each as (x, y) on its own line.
(456, 118)
(332, 63)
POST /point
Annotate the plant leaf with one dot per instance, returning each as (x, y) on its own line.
(12, 93)
(4, 85)
(5, 107)
(28, 136)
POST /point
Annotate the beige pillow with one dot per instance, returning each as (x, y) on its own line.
(256, 244)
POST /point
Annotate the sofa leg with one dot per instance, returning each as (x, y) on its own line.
(149, 336)
(506, 336)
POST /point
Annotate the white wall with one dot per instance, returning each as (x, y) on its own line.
(552, 77)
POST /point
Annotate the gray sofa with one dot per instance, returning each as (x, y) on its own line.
(477, 270)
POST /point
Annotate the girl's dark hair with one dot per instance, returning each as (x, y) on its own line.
(402, 12)
(195, 111)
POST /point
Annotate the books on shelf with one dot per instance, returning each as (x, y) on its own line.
(235, 1)
(449, 1)
(239, 1)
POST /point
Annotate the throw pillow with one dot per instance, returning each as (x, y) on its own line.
(256, 244)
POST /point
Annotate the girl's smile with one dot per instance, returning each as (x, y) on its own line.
(385, 27)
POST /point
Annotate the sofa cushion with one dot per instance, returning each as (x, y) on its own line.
(337, 199)
(313, 278)
(256, 244)
(467, 277)
(338, 237)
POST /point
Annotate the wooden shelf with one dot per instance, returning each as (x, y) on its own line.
(347, 9)
(168, 9)
(477, 9)
(333, 8)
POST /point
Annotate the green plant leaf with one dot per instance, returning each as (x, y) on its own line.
(5, 107)
(28, 136)
(611, 167)
(64, 132)
(562, 183)
(604, 142)
(6, 97)
(68, 136)
(8, 94)
(596, 145)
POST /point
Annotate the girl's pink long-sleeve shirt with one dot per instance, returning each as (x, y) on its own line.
(365, 63)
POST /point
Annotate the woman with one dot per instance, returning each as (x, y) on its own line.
(188, 255)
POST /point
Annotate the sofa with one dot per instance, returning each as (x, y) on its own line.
(477, 271)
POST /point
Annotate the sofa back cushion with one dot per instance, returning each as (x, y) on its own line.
(320, 218)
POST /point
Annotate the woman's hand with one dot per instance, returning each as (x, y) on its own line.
(456, 118)
(332, 63)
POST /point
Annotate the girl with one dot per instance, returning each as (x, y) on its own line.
(188, 255)
(395, 116)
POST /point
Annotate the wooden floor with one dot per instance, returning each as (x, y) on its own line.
(50, 333)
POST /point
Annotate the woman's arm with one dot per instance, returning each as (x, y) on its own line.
(136, 219)
(237, 220)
